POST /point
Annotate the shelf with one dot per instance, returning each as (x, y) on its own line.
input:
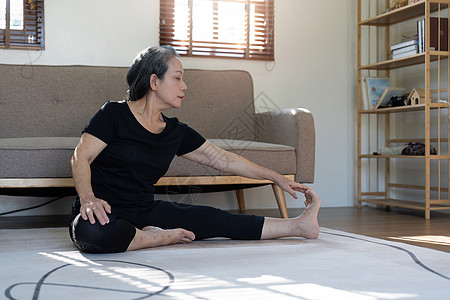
(394, 109)
(412, 60)
(392, 156)
(417, 140)
(405, 204)
(406, 108)
(432, 157)
(402, 14)
(416, 187)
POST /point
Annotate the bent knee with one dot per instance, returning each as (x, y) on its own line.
(96, 238)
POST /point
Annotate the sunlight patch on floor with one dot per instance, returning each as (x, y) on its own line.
(314, 291)
(429, 239)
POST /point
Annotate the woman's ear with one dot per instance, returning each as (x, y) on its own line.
(153, 82)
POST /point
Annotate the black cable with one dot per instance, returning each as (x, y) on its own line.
(29, 208)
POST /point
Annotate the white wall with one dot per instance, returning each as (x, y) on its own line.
(315, 62)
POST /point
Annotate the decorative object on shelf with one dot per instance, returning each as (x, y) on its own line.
(411, 149)
(396, 101)
(399, 3)
(413, 1)
(374, 88)
(388, 94)
(414, 148)
(390, 151)
(417, 96)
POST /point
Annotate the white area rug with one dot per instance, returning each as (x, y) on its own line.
(43, 264)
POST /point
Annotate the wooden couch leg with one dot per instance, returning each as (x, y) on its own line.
(241, 200)
(279, 195)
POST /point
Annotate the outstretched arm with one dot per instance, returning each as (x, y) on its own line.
(219, 159)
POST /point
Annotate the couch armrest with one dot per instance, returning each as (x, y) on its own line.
(293, 127)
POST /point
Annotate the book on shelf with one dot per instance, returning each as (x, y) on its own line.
(404, 54)
(405, 48)
(438, 34)
(404, 44)
(371, 89)
(420, 26)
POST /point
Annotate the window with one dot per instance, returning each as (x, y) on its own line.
(22, 24)
(219, 28)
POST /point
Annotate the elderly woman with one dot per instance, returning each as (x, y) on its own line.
(128, 145)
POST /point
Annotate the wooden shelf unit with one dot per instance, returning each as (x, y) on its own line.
(429, 110)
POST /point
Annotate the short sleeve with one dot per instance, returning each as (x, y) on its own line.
(191, 140)
(102, 124)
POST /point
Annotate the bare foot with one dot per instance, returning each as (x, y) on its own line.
(150, 237)
(170, 236)
(307, 223)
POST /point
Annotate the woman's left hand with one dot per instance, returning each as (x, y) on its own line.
(291, 186)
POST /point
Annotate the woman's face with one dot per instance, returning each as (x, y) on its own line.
(170, 90)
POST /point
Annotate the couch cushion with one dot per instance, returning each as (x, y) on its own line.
(35, 157)
(279, 158)
(49, 157)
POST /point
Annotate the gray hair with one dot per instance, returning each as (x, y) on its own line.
(153, 60)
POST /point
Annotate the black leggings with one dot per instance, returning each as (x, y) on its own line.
(205, 222)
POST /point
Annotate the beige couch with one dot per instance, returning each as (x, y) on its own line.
(44, 108)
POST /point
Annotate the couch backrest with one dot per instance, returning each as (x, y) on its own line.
(59, 100)
(219, 104)
(38, 101)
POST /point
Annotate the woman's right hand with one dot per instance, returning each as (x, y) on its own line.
(92, 207)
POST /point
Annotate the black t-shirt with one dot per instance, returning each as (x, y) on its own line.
(124, 173)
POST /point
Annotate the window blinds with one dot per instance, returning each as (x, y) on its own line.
(219, 28)
(25, 30)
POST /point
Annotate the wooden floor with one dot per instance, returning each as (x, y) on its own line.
(399, 225)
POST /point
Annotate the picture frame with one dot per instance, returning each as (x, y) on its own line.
(364, 95)
(388, 93)
(375, 87)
